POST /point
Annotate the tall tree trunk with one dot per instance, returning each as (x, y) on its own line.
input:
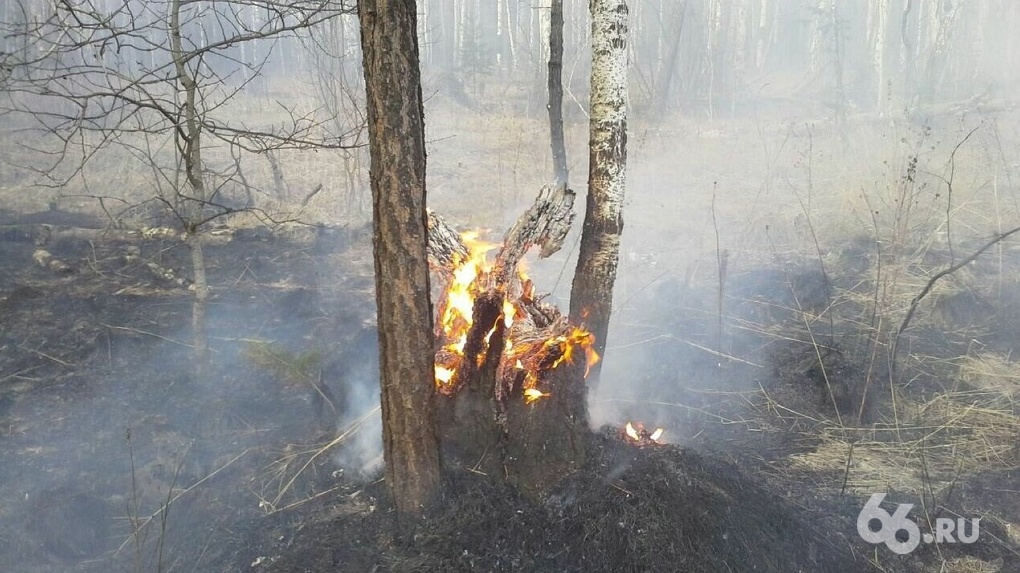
(878, 12)
(397, 144)
(591, 298)
(943, 22)
(192, 198)
(559, 149)
(908, 52)
(509, 25)
(664, 80)
(199, 338)
(836, 29)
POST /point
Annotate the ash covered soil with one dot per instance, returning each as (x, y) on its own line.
(115, 457)
(631, 508)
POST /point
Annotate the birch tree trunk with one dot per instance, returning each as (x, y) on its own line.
(397, 144)
(908, 51)
(510, 15)
(942, 25)
(591, 298)
(835, 27)
(878, 11)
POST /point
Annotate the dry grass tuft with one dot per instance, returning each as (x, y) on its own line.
(970, 429)
(990, 372)
(968, 564)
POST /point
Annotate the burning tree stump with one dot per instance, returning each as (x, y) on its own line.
(510, 366)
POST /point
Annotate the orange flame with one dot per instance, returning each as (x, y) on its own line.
(458, 305)
(577, 338)
(456, 318)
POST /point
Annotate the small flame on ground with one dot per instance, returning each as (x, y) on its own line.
(639, 434)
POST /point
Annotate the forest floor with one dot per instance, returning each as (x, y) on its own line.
(114, 457)
(766, 265)
(112, 452)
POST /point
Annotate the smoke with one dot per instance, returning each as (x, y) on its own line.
(360, 418)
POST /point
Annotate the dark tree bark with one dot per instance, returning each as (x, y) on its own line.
(397, 144)
(559, 149)
(664, 81)
(591, 296)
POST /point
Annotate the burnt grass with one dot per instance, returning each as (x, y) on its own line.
(102, 422)
(631, 508)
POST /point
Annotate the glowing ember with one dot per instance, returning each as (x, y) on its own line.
(524, 349)
(532, 394)
(443, 375)
(509, 312)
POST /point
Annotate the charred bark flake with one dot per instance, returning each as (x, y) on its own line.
(444, 245)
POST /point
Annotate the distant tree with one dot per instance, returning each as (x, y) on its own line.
(559, 150)
(158, 80)
(591, 295)
(396, 135)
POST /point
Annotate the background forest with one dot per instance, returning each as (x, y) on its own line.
(818, 283)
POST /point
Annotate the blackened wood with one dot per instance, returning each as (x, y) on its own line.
(486, 423)
(545, 224)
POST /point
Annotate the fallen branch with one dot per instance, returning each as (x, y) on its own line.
(18, 373)
(146, 333)
(46, 356)
(305, 500)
